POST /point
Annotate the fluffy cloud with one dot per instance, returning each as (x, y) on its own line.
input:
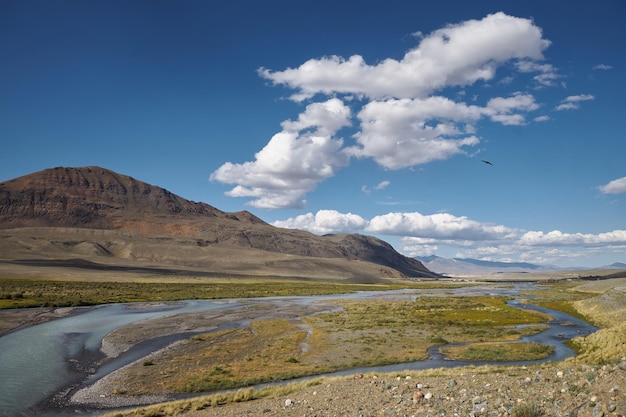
(617, 186)
(546, 73)
(558, 238)
(423, 235)
(327, 118)
(293, 161)
(436, 226)
(400, 133)
(571, 102)
(325, 222)
(400, 120)
(503, 110)
(456, 55)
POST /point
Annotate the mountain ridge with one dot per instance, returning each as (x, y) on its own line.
(470, 266)
(78, 202)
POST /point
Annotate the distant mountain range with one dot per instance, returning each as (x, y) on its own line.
(92, 217)
(469, 266)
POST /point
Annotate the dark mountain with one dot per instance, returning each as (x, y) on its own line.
(100, 216)
(95, 198)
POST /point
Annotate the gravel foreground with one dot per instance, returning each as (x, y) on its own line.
(548, 390)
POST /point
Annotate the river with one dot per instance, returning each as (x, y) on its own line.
(40, 361)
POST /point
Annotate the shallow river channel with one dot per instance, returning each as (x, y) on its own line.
(44, 360)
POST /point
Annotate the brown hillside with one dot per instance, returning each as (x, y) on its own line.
(150, 224)
(95, 198)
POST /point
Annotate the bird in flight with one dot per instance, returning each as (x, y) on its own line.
(486, 162)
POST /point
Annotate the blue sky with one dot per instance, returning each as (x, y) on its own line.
(341, 116)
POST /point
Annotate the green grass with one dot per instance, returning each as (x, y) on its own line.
(22, 293)
(500, 352)
(364, 333)
(559, 296)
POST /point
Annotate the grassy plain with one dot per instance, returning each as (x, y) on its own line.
(22, 293)
(363, 333)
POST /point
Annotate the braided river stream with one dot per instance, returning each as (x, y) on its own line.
(44, 362)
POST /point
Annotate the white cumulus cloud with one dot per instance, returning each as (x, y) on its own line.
(400, 133)
(324, 222)
(558, 238)
(617, 186)
(423, 235)
(294, 161)
(503, 110)
(455, 55)
(436, 226)
(546, 73)
(400, 117)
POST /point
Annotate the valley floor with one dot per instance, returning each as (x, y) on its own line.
(593, 384)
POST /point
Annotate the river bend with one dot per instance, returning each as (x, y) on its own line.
(42, 360)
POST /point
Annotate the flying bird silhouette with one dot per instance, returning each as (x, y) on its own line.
(486, 162)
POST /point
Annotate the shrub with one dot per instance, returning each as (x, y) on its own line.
(527, 410)
(438, 340)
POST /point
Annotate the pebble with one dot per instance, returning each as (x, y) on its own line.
(477, 395)
(418, 396)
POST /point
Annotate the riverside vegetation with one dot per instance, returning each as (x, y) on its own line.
(362, 333)
(591, 384)
(24, 293)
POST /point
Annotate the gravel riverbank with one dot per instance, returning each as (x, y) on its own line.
(555, 389)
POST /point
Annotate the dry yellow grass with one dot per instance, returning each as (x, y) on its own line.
(608, 310)
(221, 360)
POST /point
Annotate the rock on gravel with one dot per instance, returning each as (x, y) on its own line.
(558, 390)
(94, 396)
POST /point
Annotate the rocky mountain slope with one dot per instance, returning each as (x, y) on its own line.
(97, 215)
